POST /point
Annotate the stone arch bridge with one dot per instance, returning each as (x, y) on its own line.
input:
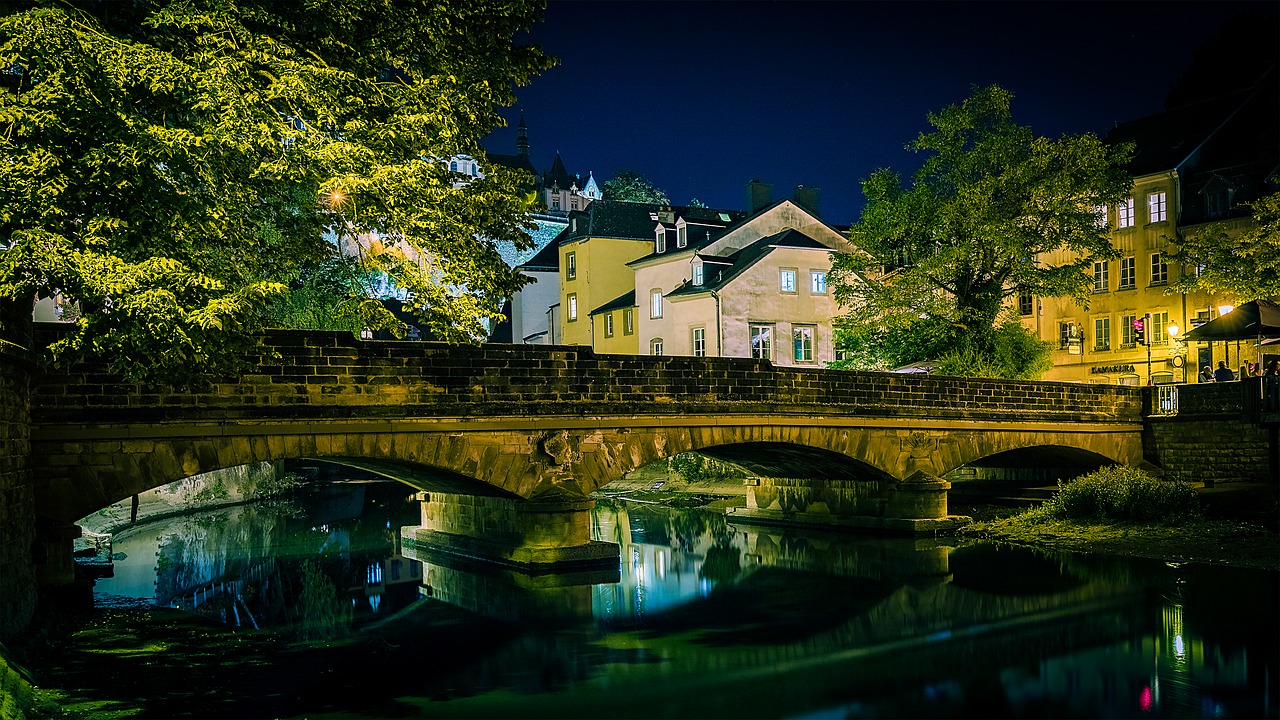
(515, 438)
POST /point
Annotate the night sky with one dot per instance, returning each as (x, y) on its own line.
(701, 97)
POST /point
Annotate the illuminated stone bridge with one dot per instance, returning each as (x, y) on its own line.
(508, 442)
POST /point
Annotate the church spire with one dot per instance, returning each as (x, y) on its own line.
(522, 137)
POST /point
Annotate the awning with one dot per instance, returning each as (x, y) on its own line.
(1253, 320)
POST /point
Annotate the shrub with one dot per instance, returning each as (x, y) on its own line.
(1124, 493)
(694, 468)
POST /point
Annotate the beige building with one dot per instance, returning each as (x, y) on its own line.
(755, 289)
(1193, 167)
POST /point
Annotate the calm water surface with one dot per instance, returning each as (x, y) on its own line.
(703, 619)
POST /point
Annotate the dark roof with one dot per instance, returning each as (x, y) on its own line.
(515, 162)
(548, 258)
(699, 236)
(557, 176)
(1231, 141)
(617, 219)
(1191, 135)
(622, 301)
(502, 331)
(745, 258)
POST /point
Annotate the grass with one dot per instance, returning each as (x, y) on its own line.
(1125, 511)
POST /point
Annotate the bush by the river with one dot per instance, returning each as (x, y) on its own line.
(1123, 493)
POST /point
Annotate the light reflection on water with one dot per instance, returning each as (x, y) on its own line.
(706, 618)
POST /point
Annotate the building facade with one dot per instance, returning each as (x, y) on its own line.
(1195, 169)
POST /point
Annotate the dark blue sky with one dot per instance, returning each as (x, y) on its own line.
(701, 97)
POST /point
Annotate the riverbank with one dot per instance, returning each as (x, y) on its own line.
(1239, 529)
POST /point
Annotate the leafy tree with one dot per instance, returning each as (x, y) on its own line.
(1245, 265)
(993, 212)
(334, 294)
(171, 165)
(629, 186)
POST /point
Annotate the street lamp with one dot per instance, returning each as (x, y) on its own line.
(1224, 309)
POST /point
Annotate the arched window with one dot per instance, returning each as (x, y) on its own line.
(655, 346)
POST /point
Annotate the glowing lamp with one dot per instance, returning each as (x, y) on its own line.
(1173, 331)
(1224, 309)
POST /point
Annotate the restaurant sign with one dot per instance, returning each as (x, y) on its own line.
(1108, 369)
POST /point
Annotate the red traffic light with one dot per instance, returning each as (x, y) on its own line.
(1137, 324)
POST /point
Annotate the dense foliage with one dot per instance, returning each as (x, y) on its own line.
(1123, 493)
(994, 212)
(171, 165)
(1245, 265)
(628, 186)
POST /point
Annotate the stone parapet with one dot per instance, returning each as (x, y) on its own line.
(333, 375)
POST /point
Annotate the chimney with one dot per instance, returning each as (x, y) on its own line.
(759, 195)
(808, 198)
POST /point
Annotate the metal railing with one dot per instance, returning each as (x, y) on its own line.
(1166, 400)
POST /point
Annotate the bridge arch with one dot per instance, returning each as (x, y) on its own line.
(560, 457)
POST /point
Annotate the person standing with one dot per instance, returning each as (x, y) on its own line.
(1223, 373)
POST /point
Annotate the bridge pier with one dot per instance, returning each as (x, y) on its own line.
(915, 506)
(545, 534)
(54, 544)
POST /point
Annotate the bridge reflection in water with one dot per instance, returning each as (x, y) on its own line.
(707, 618)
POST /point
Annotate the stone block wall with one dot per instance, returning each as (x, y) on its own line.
(328, 374)
(1214, 438)
(17, 498)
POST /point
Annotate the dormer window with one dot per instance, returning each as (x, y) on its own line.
(697, 273)
(660, 240)
(682, 235)
(1218, 197)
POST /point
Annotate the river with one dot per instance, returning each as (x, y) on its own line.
(704, 618)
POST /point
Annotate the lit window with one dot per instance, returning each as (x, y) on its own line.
(573, 306)
(655, 346)
(1124, 214)
(817, 282)
(1159, 270)
(1127, 337)
(1026, 305)
(1158, 335)
(1101, 278)
(608, 324)
(628, 321)
(1099, 216)
(1156, 207)
(571, 265)
(699, 342)
(803, 336)
(788, 281)
(1066, 333)
(1128, 273)
(1102, 333)
(762, 342)
(655, 303)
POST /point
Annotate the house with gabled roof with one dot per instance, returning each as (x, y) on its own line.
(594, 275)
(754, 288)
